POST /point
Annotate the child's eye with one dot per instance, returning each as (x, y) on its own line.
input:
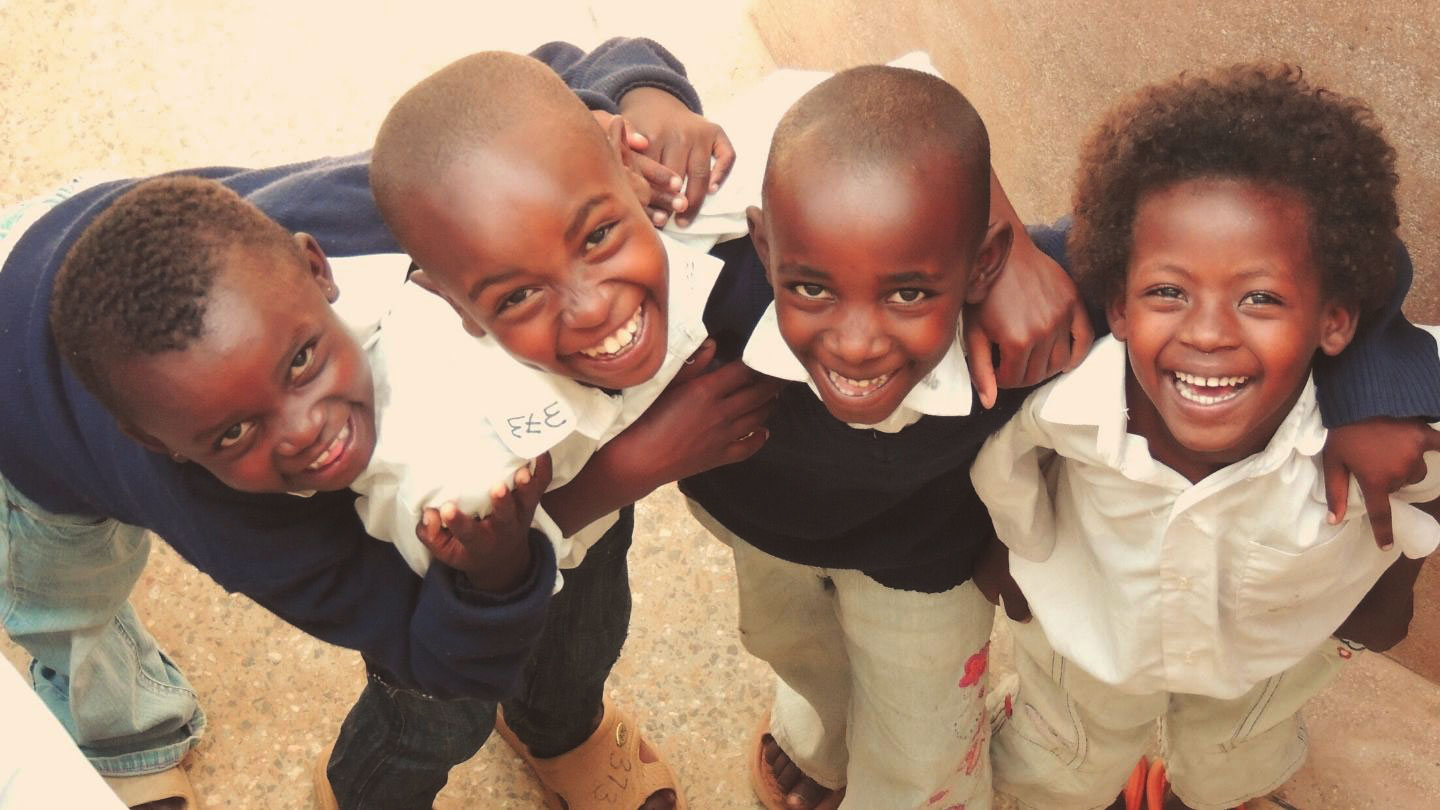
(234, 434)
(1165, 291)
(516, 298)
(807, 290)
(908, 295)
(301, 362)
(598, 235)
(1260, 298)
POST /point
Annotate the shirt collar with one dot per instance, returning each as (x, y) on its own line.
(945, 391)
(1094, 395)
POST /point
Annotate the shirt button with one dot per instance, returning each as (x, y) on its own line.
(1189, 657)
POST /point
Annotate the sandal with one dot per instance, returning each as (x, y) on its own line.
(592, 776)
(171, 783)
(762, 778)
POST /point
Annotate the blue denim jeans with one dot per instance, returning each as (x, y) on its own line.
(397, 745)
(65, 583)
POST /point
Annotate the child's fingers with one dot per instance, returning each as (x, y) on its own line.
(1337, 486)
(697, 184)
(696, 364)
(666, 182)
(745, 446)
(724, 153)
(528, 495)
(1082, 335)
(982, 365)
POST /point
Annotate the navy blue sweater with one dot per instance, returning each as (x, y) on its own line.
(307, 560)
(900, 506)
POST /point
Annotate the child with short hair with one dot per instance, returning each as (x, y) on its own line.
(1163, 503)
(81, 493)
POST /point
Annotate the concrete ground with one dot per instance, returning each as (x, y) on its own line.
(152, 85)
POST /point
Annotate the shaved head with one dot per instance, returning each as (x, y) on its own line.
(874, 117)
(474, 106)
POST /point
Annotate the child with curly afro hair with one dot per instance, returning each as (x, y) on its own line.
(1160, 502)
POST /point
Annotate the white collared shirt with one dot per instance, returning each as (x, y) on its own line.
(749, 119)
(1154, 584)
(456, 415)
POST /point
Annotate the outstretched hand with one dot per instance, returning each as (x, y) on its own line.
(686, 144)
(1384, 455)
(1034, 316)
(492, 551)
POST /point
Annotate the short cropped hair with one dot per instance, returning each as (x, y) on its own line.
(452, 114)
(1258, 122)
(877, 115)
(137, 281)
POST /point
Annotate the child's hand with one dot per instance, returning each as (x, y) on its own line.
(992, 577)
(706, 418)
(657, 187)
(682, 141)
(1384, 455)
(1382, 619)
(493, 552)
(1036, 318)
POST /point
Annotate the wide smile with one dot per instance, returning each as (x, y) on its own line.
(336, 451)
(1208, 390)
(620, 342)
(857, 388)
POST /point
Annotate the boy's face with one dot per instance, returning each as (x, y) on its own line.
(871, 268)
(541, 242)
(1222, 314)
(275, 396)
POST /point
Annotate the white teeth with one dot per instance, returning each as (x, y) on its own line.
(1187, 384)
(332, 450)
(1209, 382)
(618, 340)
(856, 388)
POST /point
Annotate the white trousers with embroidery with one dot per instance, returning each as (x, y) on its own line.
(881, 690)
(1070, 741)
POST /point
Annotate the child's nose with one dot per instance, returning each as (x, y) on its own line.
(858, 339)
(1209, 327)
(586, 307)
(300, 429)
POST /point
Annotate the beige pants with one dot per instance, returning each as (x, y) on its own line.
(880, 690)
(1070, 741)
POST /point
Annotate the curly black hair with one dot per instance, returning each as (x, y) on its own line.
(137, 280)
(1256, 121)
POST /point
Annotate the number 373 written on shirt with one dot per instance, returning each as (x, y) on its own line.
(535, 423)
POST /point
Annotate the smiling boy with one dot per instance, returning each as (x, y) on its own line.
(81, 494)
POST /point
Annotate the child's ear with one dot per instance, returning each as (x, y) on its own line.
(318, 266)
(1337, 327)
(760, 235)
(144, 439)
(1115, 314)
(990, 262)
(424, 282)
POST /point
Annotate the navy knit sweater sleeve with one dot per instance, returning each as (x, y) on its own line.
(308, 560)
(1391, 368)
(603, 76)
